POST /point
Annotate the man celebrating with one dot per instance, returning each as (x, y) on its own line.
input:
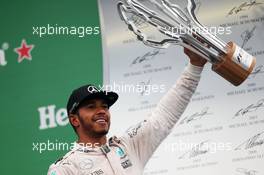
(94, 154)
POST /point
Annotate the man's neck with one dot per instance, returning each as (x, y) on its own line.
(92, 141)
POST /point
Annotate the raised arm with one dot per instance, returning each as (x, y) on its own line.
(144, 138)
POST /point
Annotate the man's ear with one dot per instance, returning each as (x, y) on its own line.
(74, 120)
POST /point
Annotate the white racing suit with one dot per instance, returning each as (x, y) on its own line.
(129, 154)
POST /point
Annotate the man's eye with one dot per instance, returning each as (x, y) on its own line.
(105, 106)
(90, 106)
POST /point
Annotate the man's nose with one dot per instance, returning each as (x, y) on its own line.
(100, 110)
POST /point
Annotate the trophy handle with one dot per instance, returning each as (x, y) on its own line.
(232, 68)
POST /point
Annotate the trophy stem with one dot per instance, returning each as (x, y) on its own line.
(209, 55)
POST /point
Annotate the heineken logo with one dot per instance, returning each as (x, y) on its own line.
(23, 51)
(51, 117)
(3, 61)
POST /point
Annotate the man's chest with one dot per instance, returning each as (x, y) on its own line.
(116, 162)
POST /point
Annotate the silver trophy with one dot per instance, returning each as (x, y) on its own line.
(160, 23)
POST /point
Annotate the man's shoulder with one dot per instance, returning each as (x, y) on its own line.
(63, 165)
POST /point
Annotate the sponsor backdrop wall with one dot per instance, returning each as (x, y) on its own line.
(38, 72)
(222, 130)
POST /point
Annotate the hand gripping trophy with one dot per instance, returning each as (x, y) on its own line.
(174, 22)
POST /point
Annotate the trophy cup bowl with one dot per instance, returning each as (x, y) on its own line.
(160, 23)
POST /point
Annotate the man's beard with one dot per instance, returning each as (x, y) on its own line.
(88, 129)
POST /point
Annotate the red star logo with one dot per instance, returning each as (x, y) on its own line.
(24, 51)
